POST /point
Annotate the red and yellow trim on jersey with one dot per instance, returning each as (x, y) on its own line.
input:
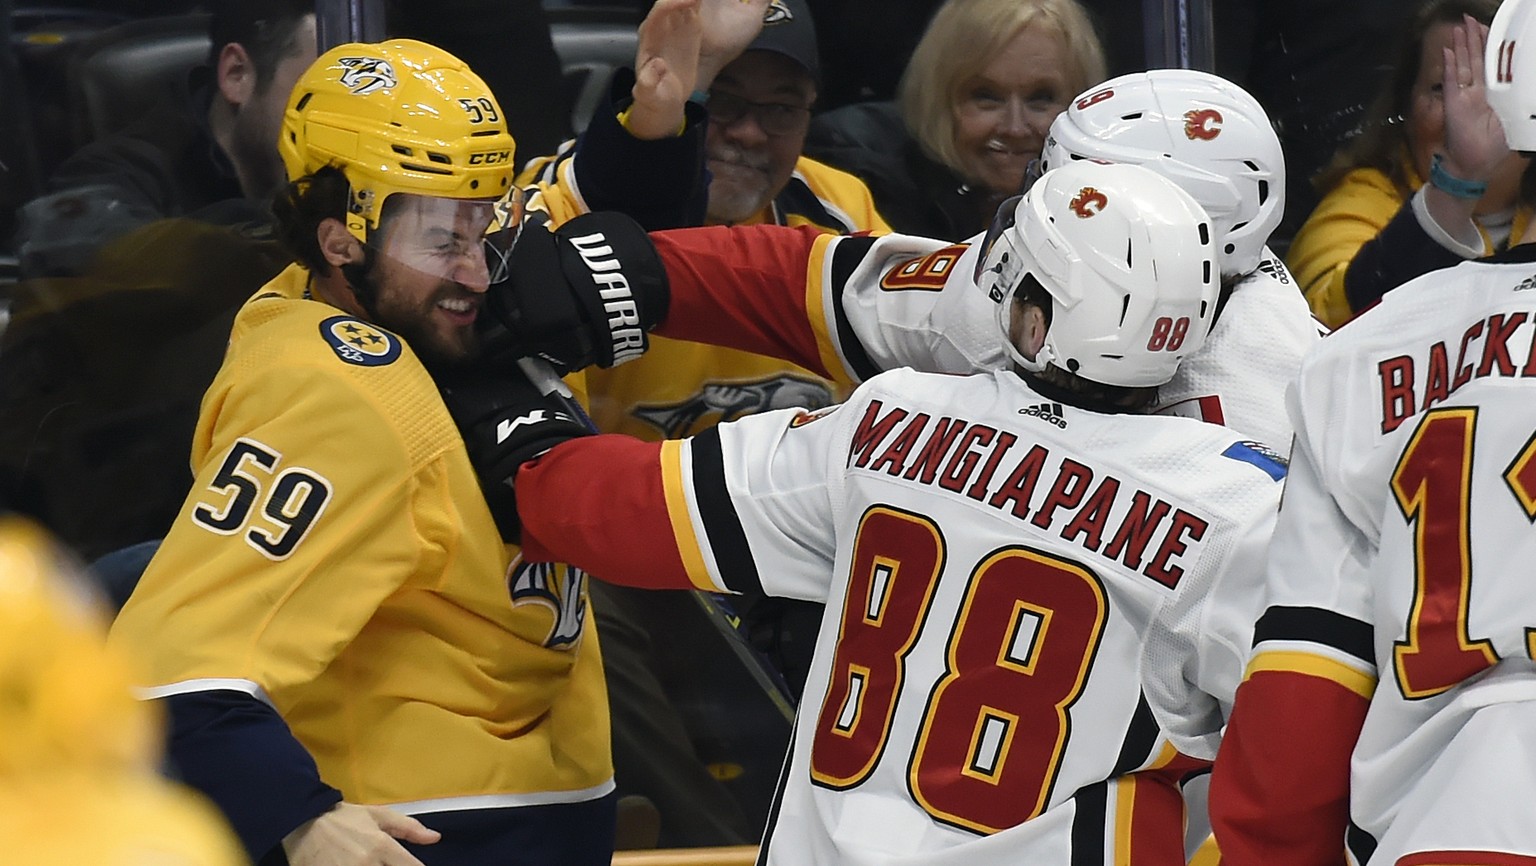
(819, 286)
(1148, 803)
(1307, 664)
(685, 534)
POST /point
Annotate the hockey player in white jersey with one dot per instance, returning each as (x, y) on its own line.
(1391, 696)
(1038, 600)
(831, 306)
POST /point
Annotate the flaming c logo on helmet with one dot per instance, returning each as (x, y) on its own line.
(1202, 123)
(1088, 202)
(777, 13)
(367, 74)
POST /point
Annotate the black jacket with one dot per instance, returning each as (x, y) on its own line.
(915, 194)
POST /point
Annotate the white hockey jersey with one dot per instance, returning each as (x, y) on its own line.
(1035, 618)
(1397, 583)
(851, 307)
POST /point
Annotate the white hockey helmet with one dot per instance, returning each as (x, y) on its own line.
(1128, 260)
(1198, 130)
(1509, 64)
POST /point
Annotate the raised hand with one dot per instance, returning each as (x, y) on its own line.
(353, 835)
(1474, 137)
(666, 67)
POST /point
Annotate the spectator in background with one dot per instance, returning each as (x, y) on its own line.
(980, 92)
(206, 152)
(134, 268)
(758, 110)
(1374, 229)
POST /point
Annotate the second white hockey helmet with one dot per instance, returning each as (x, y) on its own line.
(1198, 130)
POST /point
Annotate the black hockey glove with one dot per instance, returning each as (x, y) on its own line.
(586, 293)
(506, 421)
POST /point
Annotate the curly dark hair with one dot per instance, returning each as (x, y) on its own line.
(299, 208)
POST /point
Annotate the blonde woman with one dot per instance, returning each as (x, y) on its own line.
(973, 108)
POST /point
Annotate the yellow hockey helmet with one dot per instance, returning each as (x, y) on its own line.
(397, 117)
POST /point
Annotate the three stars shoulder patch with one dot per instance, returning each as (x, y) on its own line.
(358, 342)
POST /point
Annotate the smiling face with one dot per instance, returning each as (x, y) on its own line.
(430, 275)
(1002, 112)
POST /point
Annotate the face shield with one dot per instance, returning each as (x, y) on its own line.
(454, 240)
(1003, 220)
(986, 262)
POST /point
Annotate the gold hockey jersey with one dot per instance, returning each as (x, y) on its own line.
(337, 561)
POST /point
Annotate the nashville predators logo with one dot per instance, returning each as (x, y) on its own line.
(562, 589)
(717, 403)
(1088, 202)
(777, 13)
(1202, 123)
(366, 74)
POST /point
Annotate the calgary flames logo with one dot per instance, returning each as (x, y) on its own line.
(1202, 123)
(1088, 202)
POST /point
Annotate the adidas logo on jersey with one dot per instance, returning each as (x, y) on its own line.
(1276, 269)
(1525, 285)
(1048, 412)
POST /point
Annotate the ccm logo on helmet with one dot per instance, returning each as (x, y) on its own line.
(490, 157)
(1088, 202)
(1202, 123)
(618, 300)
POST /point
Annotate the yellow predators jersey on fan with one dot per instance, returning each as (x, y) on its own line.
(424, 665)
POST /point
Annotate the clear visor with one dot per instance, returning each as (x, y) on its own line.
(1005, 216)
(1032, 173)
(463, 241)
(1002, 221)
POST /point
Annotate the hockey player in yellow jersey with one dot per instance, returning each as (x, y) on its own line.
(342, 641)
